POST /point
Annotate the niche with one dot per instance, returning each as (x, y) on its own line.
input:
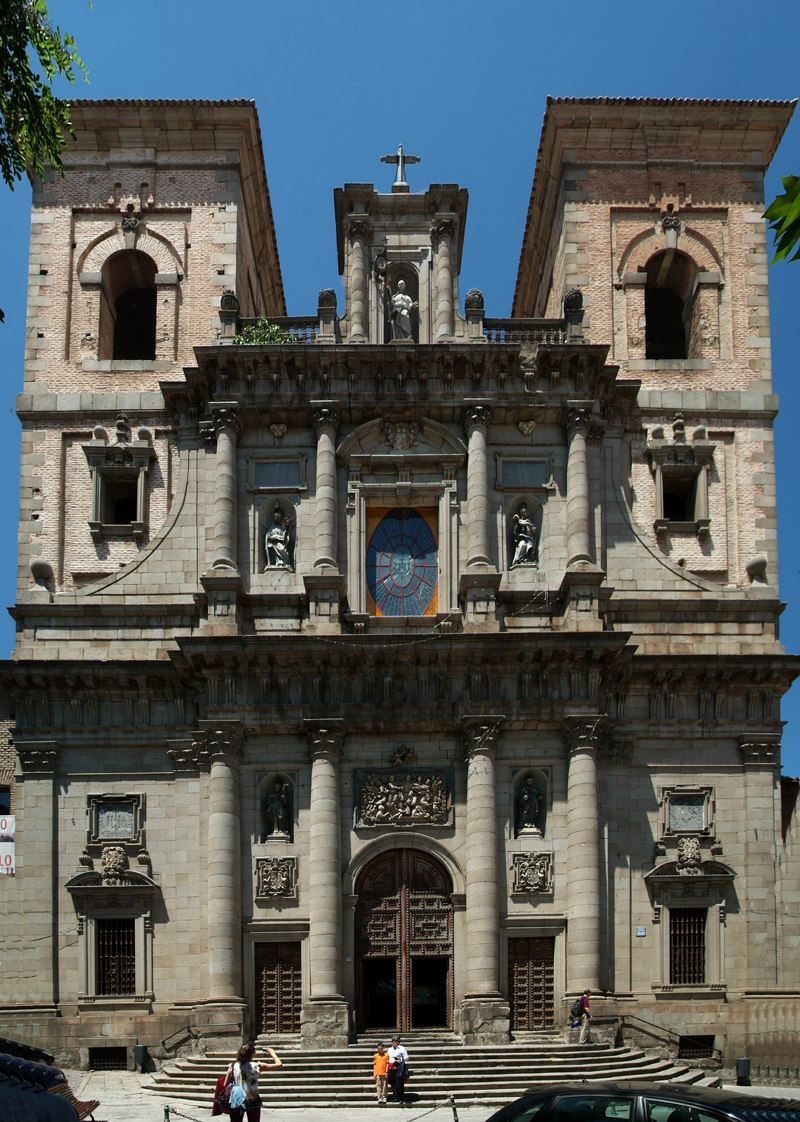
(530, 791)
(668, 298)
(276, 531)
(524, 518)
(394, 273)
(128, 307)
(277, 808)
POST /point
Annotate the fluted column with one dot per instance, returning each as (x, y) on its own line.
(226, 427)
(484, 1014)
(442, 238)
(326, 425)
(326, 1020)
(577, 488)
(360, 235)
(476, 428)
(222, 747)
(582, 736)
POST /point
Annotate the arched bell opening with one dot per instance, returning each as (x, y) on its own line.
(668, 298)
(128, 307)
(404, 943)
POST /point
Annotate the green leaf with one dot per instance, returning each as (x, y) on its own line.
(783, 214)
(262, 332)
(33, 121)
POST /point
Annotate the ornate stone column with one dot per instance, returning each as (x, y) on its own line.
(577, 428)
(221, 747)
(226, 427)
(476, 427)
(443, 233)
(582, 736)
(326, 426)
(326, 1017)
(484, 1013)
(360, 234)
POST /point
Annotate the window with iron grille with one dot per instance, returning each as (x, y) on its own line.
(687, 945)
(116, 958)
(696, 1047)
(108, 1059)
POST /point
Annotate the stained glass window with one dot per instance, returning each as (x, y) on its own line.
(402, 564)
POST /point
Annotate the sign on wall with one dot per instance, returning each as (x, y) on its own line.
(7, 833)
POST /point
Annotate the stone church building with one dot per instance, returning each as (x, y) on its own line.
(399, 667)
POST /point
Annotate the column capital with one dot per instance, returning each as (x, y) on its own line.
(760, 750)
(481, 733)
(215, 740)
(443, 228)
(358, 228)
(325, 419)
(225, 416)
(476, 416)
(579, 418)
(38, 755)
(325, 738)
(583, 733)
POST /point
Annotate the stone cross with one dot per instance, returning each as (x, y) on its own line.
(401, 159)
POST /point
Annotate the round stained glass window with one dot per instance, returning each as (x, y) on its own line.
(402, 564)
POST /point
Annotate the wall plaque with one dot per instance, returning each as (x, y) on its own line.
(403, 797)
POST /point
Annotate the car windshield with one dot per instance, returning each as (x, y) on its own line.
(581, 1108)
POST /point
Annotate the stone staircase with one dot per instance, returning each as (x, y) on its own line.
(439, 1065)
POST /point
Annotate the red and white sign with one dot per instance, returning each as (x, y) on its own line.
(7, 833)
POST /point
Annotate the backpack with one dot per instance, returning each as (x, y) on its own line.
(576, 1009)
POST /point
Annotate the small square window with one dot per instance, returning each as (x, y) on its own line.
(5, 800)
(679, 495)
(120, 500)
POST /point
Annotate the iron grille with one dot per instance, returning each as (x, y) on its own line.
(108, 1059)
(116, 957)
(696, 1048)
(687, 946)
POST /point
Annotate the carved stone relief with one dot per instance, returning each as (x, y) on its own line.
(276, 878)
(402, 755)
(406, 798)
(401, 435)
(690, 858)
(533, 873)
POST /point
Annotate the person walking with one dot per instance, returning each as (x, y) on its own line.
(398, 1071)
(380, 1068)
(244, 1072)
(586, 1017)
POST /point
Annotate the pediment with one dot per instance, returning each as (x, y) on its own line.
(93, 883)
(391, 440)
(704, 871)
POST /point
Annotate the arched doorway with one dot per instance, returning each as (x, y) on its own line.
(404, 943)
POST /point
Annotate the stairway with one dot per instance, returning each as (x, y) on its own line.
(439, 1065)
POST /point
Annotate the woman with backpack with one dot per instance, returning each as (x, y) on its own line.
(243, 1075)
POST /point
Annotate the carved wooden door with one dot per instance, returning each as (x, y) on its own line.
(530, 983)
(279, 993)
(404, 943)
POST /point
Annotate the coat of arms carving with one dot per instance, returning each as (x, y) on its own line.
(276, 877)
(533, 873)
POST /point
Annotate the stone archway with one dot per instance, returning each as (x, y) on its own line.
(404, 943)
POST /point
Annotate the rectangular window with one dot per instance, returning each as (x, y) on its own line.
(116, 957)
(525, 473)
(108, 1059)
(5, 800)
(680, 491)
(687, 946)
(276, 473)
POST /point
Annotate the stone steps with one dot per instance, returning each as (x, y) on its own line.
(485, 1076)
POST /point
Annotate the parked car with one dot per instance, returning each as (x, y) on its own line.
(644, 1102)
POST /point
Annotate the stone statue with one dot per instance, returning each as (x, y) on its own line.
(276, 542)
(400, 315)
(277, 809)
(525, 551)
(528, 801)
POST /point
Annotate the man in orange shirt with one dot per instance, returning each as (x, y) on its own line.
(380, 1068)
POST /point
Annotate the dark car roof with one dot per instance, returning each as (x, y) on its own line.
(711, 1096)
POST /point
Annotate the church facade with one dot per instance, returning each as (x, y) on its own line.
(394, 666)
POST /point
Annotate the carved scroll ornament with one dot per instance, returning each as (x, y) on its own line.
(403, 799)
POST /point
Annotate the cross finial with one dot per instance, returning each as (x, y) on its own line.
(401, 159)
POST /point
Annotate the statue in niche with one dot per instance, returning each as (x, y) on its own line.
(277, 810)
(524, 531)
(528, 801)
(276, 543)
(400, 315)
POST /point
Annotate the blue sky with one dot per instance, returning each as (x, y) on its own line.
(463, 85)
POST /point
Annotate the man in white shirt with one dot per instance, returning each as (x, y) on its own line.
(398, 1058)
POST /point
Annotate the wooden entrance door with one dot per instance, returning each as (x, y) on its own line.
(530, 983)
(279, 992)
(404, 943)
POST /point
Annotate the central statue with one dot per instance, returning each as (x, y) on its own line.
(400, 315)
